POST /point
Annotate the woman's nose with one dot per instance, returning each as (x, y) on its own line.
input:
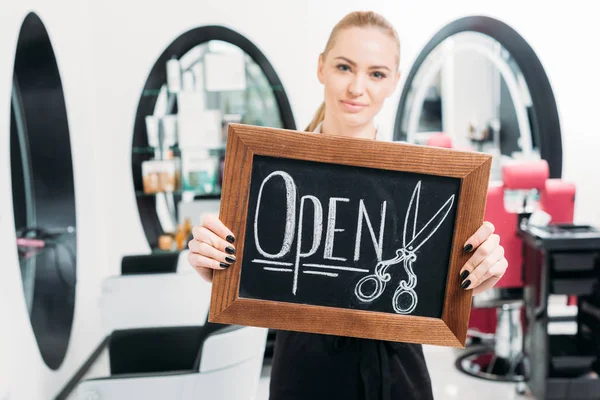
(357, 86)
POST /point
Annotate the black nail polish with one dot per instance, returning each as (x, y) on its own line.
(464, 275)
(466, 284)
(468, 248)
(224, 265)
(230, 250)
(230, 238)
(230, 259)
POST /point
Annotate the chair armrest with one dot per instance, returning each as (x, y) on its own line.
(230, 346)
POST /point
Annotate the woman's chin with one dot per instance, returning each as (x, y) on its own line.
(356, 119)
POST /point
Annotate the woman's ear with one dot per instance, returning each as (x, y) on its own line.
(320, 69)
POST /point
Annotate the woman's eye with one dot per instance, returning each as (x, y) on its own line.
(343, 67)
(378, 75)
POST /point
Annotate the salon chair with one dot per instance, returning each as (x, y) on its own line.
(217, 362)
(160, 344)
(439, 139)
(497, 318)
(154, 290)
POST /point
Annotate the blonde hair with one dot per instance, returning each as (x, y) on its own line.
(356, 19)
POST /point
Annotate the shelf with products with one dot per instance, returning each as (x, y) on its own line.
(183, 172)
(185, 175)
(204, 80)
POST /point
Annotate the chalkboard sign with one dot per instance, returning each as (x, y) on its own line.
(348, 236)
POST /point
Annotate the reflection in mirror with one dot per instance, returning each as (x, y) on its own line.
(43, 191)
(215, 83)
(470, 90)
(207, 87)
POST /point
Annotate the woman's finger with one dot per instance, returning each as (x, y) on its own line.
(477, 276)
(214, 224)
(202, 234)
(495, 273)
(207, 250)
(199, 261)
(497, 270)
(480, 254)
(479, 237)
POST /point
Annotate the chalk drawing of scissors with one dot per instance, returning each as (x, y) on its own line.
(370, 287)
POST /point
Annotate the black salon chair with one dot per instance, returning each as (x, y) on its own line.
(160, 343)
(211, 361)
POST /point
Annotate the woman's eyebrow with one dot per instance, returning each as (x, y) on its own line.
(354, 64)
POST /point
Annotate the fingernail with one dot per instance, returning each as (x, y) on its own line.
(466, 284)
(224, 265)
(230, 259)
(464, 275)
(230, 250)
(468, 248)
(230, 238)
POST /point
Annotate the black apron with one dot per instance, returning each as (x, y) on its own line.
(309, 366)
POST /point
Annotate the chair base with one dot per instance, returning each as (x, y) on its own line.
(482, 362)
(498, 357)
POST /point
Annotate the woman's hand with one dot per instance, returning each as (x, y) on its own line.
(211, 248)
(487, 265)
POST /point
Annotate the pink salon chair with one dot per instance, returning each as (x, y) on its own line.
(496, 318)
(439, 139)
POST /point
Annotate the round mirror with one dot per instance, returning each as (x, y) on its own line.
(477, 85)
(207, 78)
(43, 191)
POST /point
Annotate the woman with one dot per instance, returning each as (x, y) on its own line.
(359, 70)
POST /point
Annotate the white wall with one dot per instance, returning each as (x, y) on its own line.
(105, 53)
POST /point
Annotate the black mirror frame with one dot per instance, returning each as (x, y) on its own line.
(544, 116)
(158, 76)
(42, 140)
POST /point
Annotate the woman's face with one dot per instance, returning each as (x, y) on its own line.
(358, 73)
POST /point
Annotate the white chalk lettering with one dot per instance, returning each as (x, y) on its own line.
(331, 229)
(378, 243)
(317, 231)
(372, 285)
(290, 215)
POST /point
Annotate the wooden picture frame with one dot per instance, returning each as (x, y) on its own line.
(245, 141)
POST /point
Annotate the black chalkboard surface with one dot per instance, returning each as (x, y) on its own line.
(321, 258)
(348, 237)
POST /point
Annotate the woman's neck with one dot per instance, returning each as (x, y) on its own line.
(332, 126)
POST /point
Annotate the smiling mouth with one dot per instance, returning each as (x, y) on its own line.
(353, 106)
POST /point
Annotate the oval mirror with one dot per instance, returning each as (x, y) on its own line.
(43, 191)
(207, 78)
(477, 85)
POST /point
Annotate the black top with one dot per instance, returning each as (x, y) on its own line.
(309, 366)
